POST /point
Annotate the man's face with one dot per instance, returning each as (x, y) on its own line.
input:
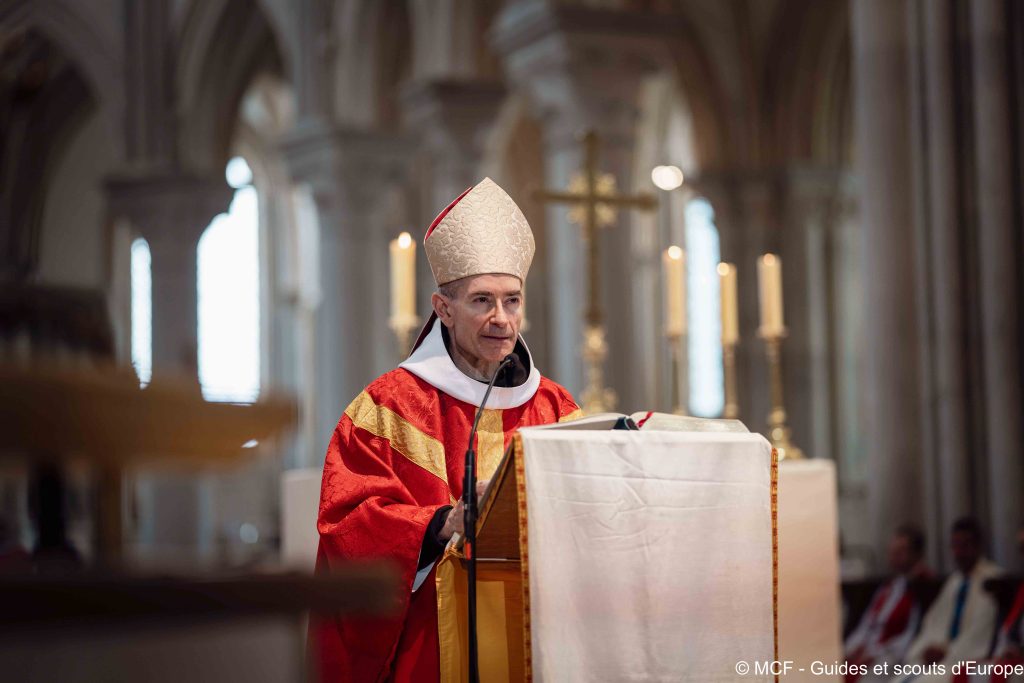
(901, 555)
(484, 318)
(966, 550)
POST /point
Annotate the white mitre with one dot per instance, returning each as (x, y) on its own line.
(482, 231)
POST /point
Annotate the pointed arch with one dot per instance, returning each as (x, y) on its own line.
(44, 100)
(223, 46)
(373, 46)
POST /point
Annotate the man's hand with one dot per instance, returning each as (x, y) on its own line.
(455, 520)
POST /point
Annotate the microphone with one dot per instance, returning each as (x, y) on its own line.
(469, 518)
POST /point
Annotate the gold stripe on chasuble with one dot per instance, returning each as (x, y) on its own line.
(417, 447)
(490, 443)
(574, 415)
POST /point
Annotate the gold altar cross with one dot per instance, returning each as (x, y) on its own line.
(594, 201)
(592, 195)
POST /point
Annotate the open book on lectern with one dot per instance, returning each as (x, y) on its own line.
(649, 421)
(498, 521)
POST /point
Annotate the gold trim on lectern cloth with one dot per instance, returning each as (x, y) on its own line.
(774, 492)
(524, 556)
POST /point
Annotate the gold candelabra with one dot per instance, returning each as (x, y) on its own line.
(675, 348)
(596, 397)
(731, 411)
(403, 328)
(778, 431)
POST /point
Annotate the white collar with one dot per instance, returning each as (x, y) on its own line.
(431, 363)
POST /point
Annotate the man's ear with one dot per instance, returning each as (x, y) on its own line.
(442, 307)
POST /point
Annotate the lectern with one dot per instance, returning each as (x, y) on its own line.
(615, 555)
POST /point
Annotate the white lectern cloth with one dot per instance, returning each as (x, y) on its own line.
(650, 555)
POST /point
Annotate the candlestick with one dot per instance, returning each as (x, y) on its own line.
(729, 303)
(731, 409)
(674, 271)
(675, 349)
(769, 281)
(778, 431)
(596, 397)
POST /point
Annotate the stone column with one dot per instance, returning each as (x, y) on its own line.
(814, 199)
(999, 254)
(354, 176)
(171, 211)
(890, 339)
(582, 69)
(946, 286)
(453, 119)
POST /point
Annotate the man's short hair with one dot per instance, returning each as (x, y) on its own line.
(969, 525)
(915, 537)
(451, 290)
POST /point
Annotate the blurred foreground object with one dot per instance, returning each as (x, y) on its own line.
(100, 415)
(110, 627)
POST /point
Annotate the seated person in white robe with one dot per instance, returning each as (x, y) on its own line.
(1009, 649)
(893, 616)
(961, 623)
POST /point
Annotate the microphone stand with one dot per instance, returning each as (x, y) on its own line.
(469, 525)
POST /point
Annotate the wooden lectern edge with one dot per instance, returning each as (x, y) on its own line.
(498, 494)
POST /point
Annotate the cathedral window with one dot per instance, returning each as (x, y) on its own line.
(229, 297)
(707, 397)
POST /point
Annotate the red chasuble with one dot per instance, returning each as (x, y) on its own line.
(396, 456)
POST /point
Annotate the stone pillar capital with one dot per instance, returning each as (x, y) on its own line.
(168, 206)
(796, 191)
(453, 116)
(349, 170)
(581, 66)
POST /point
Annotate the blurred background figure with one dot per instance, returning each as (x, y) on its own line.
(961, 622)
(894, 614)
(1009, 645)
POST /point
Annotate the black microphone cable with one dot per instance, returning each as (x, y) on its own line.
(469, 523)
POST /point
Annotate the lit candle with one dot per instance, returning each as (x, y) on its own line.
(674, 267)
(403, 280)
(730, 304)
(769, 280)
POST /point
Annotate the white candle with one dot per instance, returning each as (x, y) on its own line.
(403, 280)
(769, 280)
(730, 304)
(674, 269)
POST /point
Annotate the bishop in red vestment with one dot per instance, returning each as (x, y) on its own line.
(393, 472)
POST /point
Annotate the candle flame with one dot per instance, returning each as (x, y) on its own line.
(674, 253)
(769, 259)
(404, 240)
(724, 268)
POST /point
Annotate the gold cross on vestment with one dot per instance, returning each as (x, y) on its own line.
(594, 204)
